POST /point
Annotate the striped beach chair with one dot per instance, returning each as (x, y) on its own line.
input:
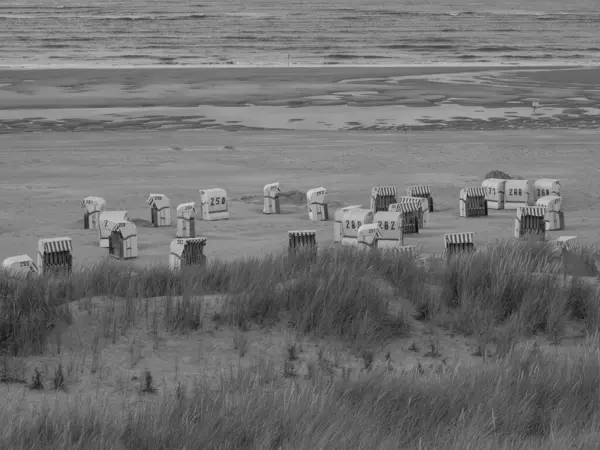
(423, 191)
(472, 202)
(55, 255)
(530, 221)
(459, 243)
(422, 202)
(382, 197)
(302, 241)
(411, 213)
(566, 243)
(410, 250)
(187, 252)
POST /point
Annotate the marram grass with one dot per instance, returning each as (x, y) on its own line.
(527, 400)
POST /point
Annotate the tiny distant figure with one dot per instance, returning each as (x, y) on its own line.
(535, 106)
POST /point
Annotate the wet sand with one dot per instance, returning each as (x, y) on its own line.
(340, 98)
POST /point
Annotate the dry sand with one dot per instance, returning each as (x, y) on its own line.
(45, 176)
(171, 132)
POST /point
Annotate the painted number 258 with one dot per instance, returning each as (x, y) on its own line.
(217, 201)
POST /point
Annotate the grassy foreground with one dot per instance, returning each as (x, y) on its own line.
(502, 294)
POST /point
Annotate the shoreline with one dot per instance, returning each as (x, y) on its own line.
(450, 65)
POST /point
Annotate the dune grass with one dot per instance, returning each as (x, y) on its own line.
(501, 293)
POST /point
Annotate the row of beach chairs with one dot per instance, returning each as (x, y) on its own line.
(382, 225)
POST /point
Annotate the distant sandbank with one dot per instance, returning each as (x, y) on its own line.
(296, 98)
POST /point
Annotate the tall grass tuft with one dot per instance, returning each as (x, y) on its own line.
(339, 293)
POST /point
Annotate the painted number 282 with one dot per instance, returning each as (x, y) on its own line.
(387, 226)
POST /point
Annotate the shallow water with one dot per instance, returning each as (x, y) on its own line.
(307, 32)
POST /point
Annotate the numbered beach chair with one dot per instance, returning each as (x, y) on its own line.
(494, 192)
(93, 206)
(472, 202)
(352, 220)
(214, 204)
(555, 218)
(390, 225)
(367, 237)
(123, 241)
(271, 198)
(518, 193)
(20, 265)
(411, 216)
(317, 208)
(160, 210)
(545, 187)
(338, 224)
(107, 217)
(187, 252)
(186, 220)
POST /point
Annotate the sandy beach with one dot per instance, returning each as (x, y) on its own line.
(121, 134)
(171, 131)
